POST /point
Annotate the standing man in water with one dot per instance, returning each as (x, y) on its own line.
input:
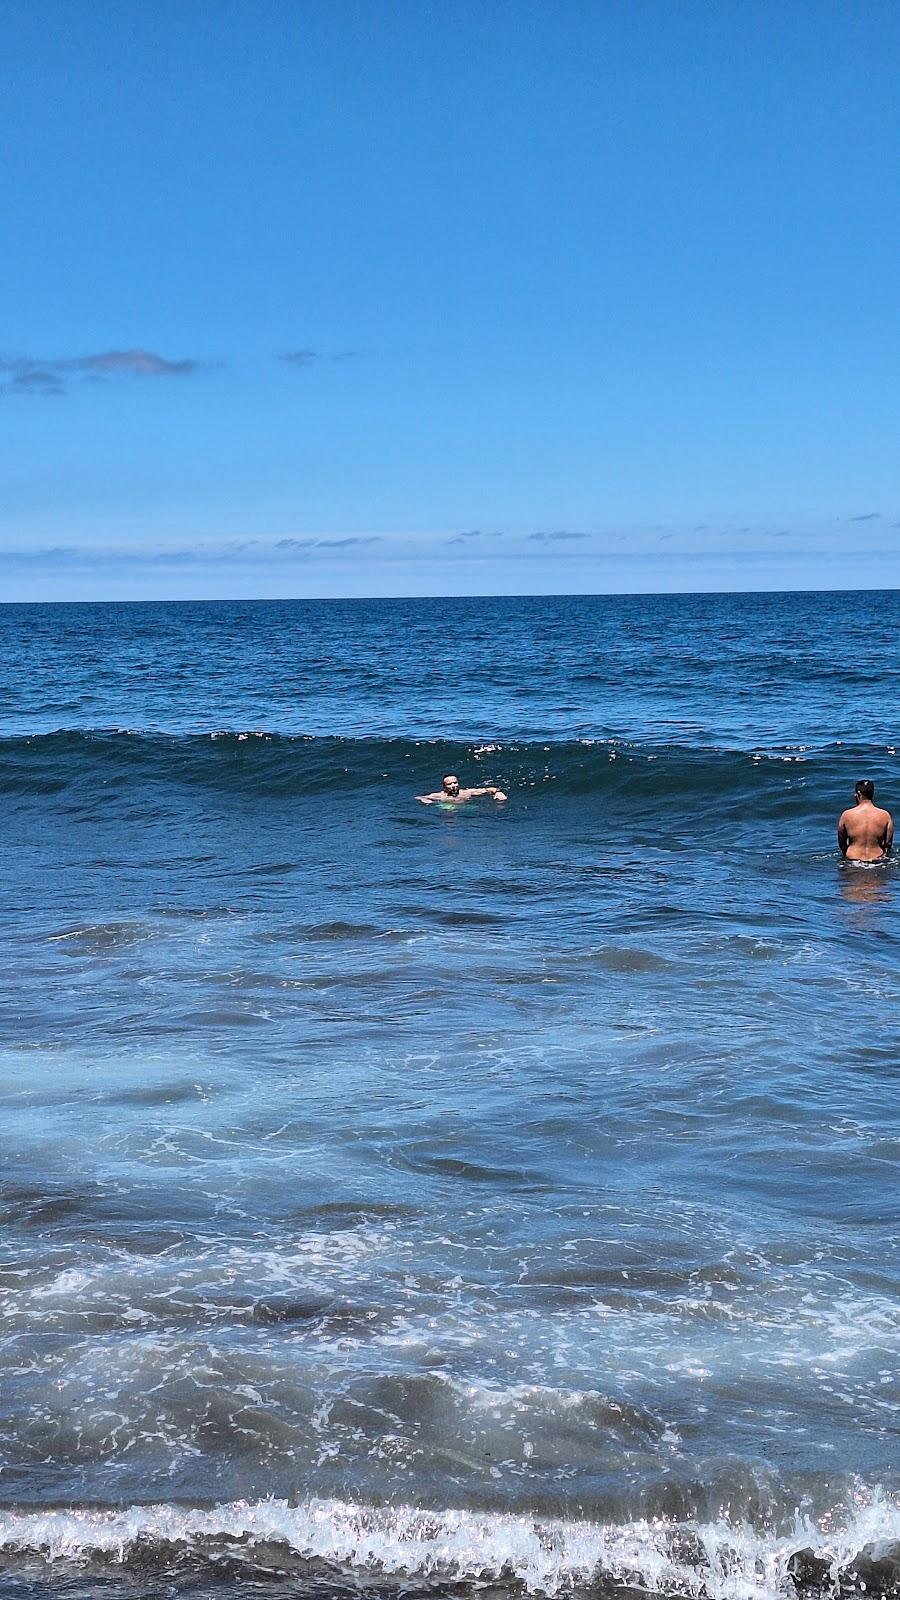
(450, 793)
(864, 831)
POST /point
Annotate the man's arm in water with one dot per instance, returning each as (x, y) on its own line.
(889, 835)
(429, 799)
(491, 789)
(843, 836)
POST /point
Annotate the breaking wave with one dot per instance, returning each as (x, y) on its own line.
(856, 1550)
(273, 763)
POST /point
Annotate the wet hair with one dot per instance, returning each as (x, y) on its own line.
(866, 789)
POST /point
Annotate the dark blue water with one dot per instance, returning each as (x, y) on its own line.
(395, 1198)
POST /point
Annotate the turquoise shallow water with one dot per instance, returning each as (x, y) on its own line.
(394, 1198)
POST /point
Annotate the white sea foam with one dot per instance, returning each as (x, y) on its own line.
(722, 1560)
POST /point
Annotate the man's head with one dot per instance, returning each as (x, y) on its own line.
(450, 785)
(865, 789)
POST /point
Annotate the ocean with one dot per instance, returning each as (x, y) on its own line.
(401, 1202)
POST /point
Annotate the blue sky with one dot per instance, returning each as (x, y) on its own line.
(385, 298)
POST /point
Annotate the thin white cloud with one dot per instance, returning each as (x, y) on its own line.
(234, 552)
(559, 534)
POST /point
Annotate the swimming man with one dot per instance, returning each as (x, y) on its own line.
(451, 793)
(864, 831)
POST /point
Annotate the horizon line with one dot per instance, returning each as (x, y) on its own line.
(394, 599)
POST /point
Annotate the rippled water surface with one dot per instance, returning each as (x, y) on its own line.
(395, 1198)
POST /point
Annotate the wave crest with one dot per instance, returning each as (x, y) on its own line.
(293, 764)
(721, 1560)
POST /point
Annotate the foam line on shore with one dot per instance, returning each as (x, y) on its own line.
(722, 1560)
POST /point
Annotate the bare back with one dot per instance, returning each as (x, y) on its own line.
(865, 832)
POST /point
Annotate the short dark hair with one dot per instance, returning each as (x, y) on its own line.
(866, 788)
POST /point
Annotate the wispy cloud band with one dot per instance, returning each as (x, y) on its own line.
(309, 358)
(32, 375)
(233, 552)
